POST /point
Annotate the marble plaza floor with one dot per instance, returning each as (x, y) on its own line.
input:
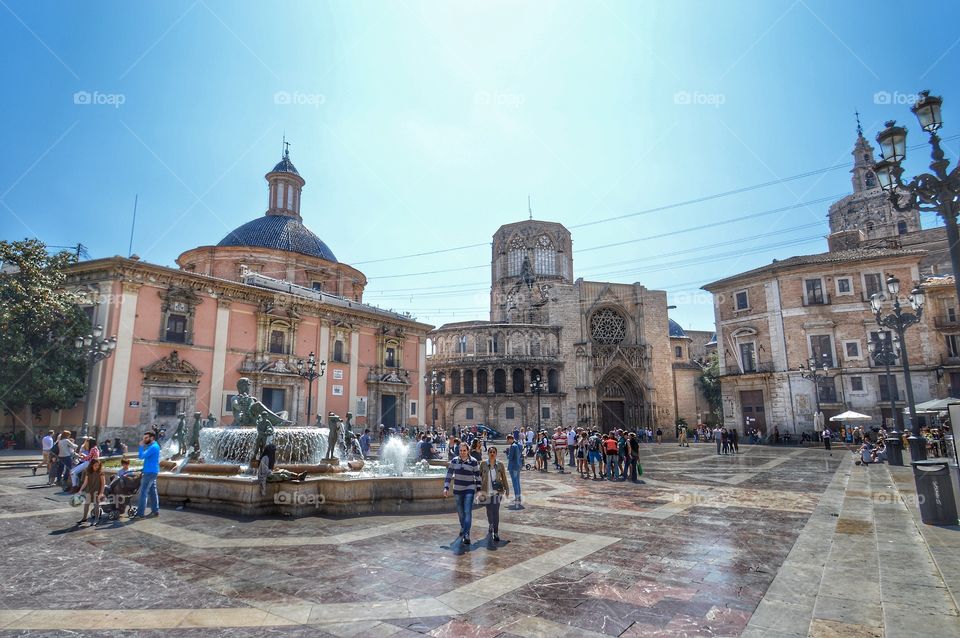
(772, 543)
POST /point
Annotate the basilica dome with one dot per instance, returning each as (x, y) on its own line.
(279, 232)
(675, 330)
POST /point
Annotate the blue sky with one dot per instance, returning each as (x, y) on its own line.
(423, 126)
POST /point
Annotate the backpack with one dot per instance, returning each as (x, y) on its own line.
(594, 444)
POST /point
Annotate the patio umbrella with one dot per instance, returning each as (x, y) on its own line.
(936, 405)
(850, 415)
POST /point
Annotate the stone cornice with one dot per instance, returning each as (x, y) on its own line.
(133, 272)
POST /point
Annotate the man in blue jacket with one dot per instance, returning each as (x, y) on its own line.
(150, 453)
(514, 465)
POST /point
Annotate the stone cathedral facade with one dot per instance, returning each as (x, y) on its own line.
(603, 351)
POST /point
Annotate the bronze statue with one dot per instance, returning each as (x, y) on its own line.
(195, 438)
(333, 438)
(180, 436)
(350, 441)
(249, 412)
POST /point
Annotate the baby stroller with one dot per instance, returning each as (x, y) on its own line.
(119, 493)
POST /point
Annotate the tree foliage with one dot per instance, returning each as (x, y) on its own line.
(709, 381)
(39, 322)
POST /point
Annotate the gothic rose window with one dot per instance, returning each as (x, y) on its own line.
(607, 326)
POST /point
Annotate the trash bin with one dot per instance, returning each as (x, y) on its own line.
(894, 450)
(938, 505)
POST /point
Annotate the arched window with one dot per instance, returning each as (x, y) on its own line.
(678, 352)
(455, 382)
(544, 257)
(499, 381)
(468, 381)
(518, 381)
(481, 381)
(462, 344)
(535, 347)
(870, 180)
(515, 255)
(289, 196)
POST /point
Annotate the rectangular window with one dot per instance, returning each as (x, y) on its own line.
(413, 408)
(545, 412)
(742, 300)
(469, 414)
(856, 384)
(828, 390)
(814, 290)
(844, 286)
(391, 358)
(821, 349)
(228, 403)
(176, 328)
(678, 352)
(951, 315)
(338, 351)
(873, 284)
(167, 407)
(852, 349)
(748, 357)
(953, 345)
(888, 386)
(317, 285)
(277, 338)
(508, 413)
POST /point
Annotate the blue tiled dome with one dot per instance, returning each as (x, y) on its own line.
(675, 329)
(285, 166)
(279, 232)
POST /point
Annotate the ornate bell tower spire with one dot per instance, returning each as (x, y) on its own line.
(285, 186)
(863, 158)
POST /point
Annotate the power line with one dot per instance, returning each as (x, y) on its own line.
(697, 200)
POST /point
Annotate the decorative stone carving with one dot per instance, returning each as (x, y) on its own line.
(171, 369)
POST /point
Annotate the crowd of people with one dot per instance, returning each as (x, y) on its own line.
(78, 469)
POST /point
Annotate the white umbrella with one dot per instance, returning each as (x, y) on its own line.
(850, 415)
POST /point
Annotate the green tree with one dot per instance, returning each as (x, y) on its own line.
(709, 381)
(39, 322)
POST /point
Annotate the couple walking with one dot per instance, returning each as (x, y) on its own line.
(470, 477)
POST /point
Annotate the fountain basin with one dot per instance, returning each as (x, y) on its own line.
(331, 495)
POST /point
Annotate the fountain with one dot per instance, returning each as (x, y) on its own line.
(219, 474)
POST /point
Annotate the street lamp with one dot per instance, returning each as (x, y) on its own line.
(898, 321)
(937, 191)
(435, 380)
(94, 349)
(885, 352)
(537, 387)
(309, 372)
(813, 373)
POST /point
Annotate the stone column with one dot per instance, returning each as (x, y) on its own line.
(121, 358)
(354, 371)
(421, 381)
(218, 368)
(320, 402)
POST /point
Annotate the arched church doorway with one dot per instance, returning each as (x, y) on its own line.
(621, 401)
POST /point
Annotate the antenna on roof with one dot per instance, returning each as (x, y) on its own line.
(529, 208)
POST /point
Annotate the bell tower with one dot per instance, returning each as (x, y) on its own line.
(285, 186)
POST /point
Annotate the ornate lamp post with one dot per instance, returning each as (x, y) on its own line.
(308, 370)
(813, 373)
(899, 321)
(435, 380)
(885, 352)
(937, 191)
(95, 348)
(537, 387)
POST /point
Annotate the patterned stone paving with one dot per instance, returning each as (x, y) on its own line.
(691, 552)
